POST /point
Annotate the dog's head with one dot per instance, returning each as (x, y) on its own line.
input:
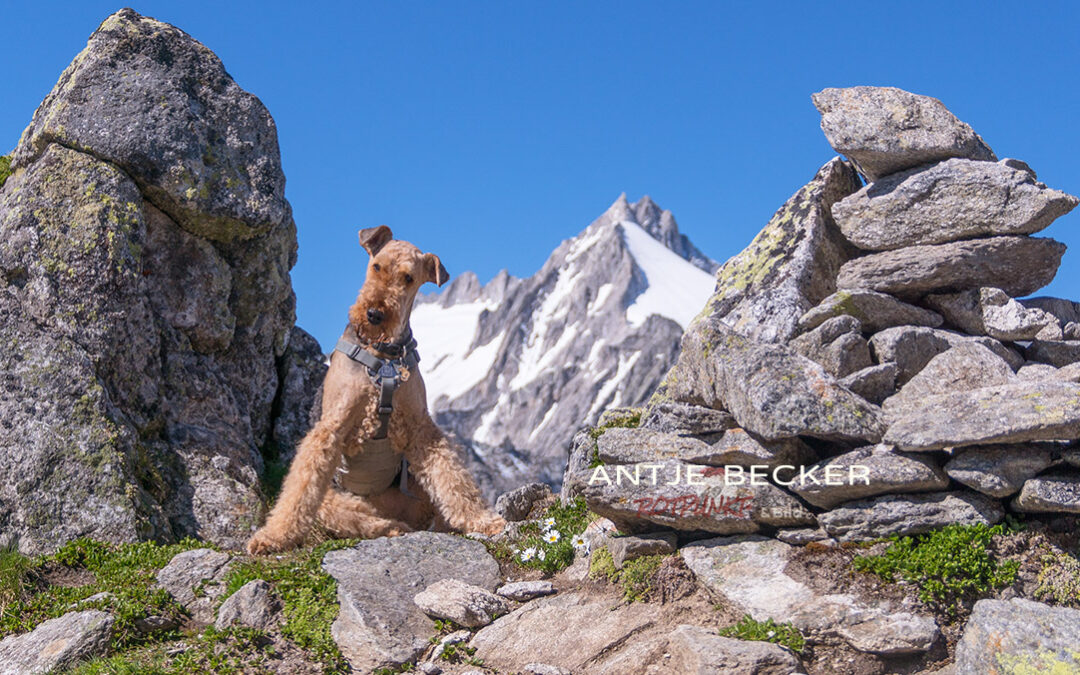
(395, 273)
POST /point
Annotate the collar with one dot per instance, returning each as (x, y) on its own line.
(394, 350)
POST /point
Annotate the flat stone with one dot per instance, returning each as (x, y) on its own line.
(885, 130)
(1049, 494)
(772, 392)
(790, 266)
(949, 201)
(516, 505)
(961, 368)
(252, 606)
(837, 345)
(734, 447)
(455, 638)
(538, 632)
(1012, 413)
(686, 419)
(989, 311)
(710, 499)
(748, 571)
(523, 591)
(1019, 636)
(999, 470)
(1017, 265)
(631, 547)
(462, 603)
(378, 625)
(696, 650)
(875, 383)
(911, 348)
(904, 515)
(801, 536)
(196, 579)
(868, 472)
(57, 643)
(1057, 353)
(875, 311)
(543, 669)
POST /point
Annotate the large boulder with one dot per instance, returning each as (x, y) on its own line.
(750, 572)
(956, 199)
(145, 248)
(875, 311)
(868, 472)
(999, 470)
(1019, 636)
(378, 625)
(966, 366)
(152, 100)
(771, 391)
(900, 515)
(1012, 413)
(1049, 494)
(989, 311)
(912, 347)
(790, 266)
(884, 130)
(690, 497)
(57, 644)
(1017, 265)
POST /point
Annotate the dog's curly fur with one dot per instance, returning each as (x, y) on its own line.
(445, 495)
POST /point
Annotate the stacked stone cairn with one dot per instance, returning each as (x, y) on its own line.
(867, 353)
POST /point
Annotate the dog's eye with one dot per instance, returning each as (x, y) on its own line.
(376, 267)
(408, 278)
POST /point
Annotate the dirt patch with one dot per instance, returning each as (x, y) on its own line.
(55, 574)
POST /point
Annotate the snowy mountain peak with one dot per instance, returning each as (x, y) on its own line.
(522, 363)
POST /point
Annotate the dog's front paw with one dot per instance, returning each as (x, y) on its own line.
(265, 541)
(490, 525)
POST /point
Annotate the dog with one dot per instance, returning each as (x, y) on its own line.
(360, 440)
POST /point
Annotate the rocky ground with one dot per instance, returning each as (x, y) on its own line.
(598, 602)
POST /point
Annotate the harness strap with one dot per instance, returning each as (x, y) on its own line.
(385, 374)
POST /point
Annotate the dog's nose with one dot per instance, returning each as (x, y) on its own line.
(374, 316)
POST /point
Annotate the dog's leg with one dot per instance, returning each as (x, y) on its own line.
(347, 515)
(442, 474)
(318, 456)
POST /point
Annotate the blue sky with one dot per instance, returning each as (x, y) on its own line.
(488, 132)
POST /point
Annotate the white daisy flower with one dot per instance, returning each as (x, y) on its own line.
(528, 554)
(541, 555)
(549, 523)
(552, 537)
(579, 541)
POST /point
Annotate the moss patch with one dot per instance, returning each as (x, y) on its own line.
(1059, 580)
(784, 634)
(636, 577)
(5, 169)
(951, 567)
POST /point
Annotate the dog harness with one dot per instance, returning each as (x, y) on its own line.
(374, 468)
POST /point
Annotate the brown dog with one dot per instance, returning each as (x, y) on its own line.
(364, 504)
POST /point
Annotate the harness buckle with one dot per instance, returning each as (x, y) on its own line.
(388, 371)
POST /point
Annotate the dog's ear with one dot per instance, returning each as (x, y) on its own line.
(374, 238)
(434, 270)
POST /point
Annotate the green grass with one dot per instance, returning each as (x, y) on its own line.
(308, 596)
(766, 631)
(5, 169)
(233, 651)
(950, 566)
(569, 520)
(126, 571)
(635, 578)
